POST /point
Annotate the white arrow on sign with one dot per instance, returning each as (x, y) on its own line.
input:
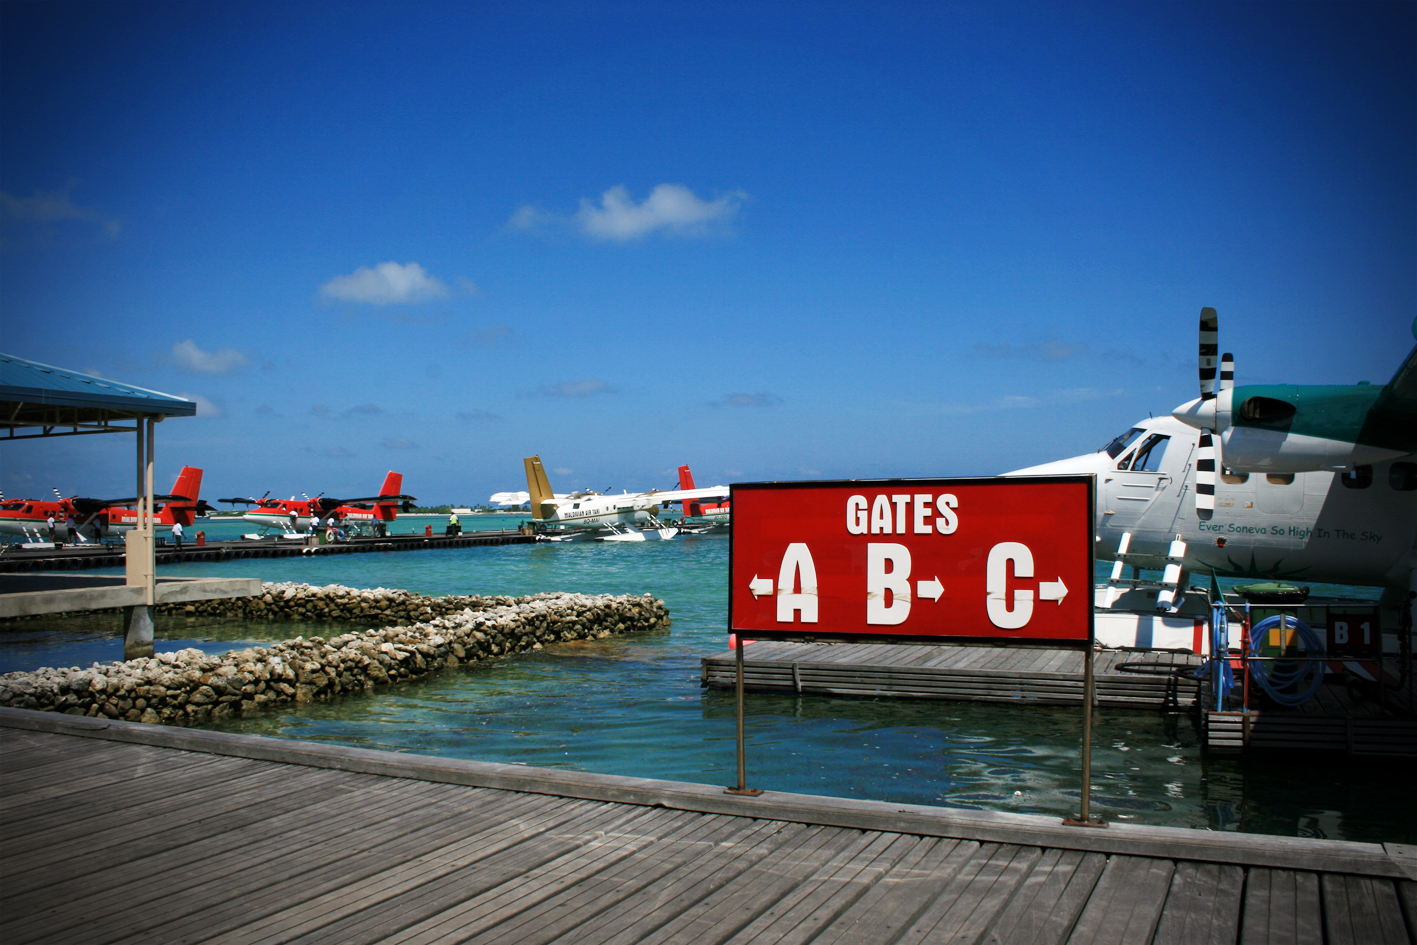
(931, 589)
(1052, 590)
(760, 586)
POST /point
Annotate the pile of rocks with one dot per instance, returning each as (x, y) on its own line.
(191, 687)
(289, 601)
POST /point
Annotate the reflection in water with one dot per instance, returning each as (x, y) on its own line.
(633, 706)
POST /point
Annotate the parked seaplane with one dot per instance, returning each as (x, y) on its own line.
(291, 517)
(96, 519)
(717, 511)
(1273, 482)
(629, 516)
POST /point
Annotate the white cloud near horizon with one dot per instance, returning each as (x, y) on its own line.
(194, 360)
(205, 408)
(388, 283)
(671, 208)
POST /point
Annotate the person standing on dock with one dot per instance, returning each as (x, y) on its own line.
(51, 526)
(177, 534)
(71, 528)
(314, 527)
(454, 528)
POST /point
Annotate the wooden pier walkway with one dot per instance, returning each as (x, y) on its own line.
(1123, 678)
(86, 556)
(119, 832)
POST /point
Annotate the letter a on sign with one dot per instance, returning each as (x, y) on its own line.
(797, 560)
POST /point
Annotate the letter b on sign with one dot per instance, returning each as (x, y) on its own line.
(880, 583)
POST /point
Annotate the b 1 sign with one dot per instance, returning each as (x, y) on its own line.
(962, 559)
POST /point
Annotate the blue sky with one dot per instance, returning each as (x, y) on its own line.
(773, 241)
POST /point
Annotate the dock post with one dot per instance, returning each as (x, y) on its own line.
(742, 787)
(137, 631)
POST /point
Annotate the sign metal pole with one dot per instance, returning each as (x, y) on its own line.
(742, 787)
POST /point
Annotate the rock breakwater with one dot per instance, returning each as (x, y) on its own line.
(191, 687)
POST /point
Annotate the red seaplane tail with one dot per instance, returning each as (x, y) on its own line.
(692, 507)
(393, 485)
(184, 510)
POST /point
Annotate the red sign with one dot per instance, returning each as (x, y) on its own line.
(963, 559)
(1356, 634)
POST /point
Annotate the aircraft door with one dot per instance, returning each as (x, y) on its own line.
(1137, 489)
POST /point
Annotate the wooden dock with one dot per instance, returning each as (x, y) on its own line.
(1342, 717)
(119, 832)
(86, 556)
(1123, 678)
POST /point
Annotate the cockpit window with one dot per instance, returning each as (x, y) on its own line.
(1121, 442)
(1147, 457)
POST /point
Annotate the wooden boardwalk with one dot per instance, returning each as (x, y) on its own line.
(961, 673)
(119, 832)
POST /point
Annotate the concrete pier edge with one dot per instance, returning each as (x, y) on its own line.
(1397, 861)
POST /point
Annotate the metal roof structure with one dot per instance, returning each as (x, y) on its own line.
(53, 401)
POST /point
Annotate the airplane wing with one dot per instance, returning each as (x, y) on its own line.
(510, 498)
(679, 495)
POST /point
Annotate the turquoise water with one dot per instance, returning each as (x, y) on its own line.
(633, 706)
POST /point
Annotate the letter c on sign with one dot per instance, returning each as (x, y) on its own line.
(997, 580)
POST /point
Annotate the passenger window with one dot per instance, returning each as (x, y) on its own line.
(1233, 478)
(1147, 458)
(1403, 477)
(1279, 479)
(1121, 443)
(1360, 477)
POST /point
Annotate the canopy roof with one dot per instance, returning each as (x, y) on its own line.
(50, 401)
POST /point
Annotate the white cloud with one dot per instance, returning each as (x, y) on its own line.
(670, 208)
(39, 216)
(385, 284)
(205, 408)
(1053, 349)
(583, 388)
(747, 400)
(196, 361)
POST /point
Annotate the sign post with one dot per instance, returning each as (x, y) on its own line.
(1004, 560)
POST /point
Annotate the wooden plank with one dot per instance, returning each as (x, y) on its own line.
(395, 900)
(147, 881)
(820, 898)
(736, 903)
(894, 900)
(1281, 907)
(1126, 903)
(966, 907)
(252, 895)
(685, 875)
(1047, 905)
(643, 914)
(1203, 905)
(1362, 910)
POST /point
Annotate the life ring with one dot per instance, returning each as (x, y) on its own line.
(329, 536)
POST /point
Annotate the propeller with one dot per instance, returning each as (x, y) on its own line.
(1208, 453)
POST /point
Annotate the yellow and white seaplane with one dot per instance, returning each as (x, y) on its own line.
(630, 516)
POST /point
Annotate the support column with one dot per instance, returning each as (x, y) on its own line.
(137, 631)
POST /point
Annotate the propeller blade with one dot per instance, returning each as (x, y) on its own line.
(239, 501)
(1205, 477)
(1227, 371)
(1209, 347)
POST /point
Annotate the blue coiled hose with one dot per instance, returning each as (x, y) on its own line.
(1277, 677)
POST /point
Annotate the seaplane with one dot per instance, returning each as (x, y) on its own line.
(579, 516)
(291, 518)
(96, 519)
(1274, 482)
